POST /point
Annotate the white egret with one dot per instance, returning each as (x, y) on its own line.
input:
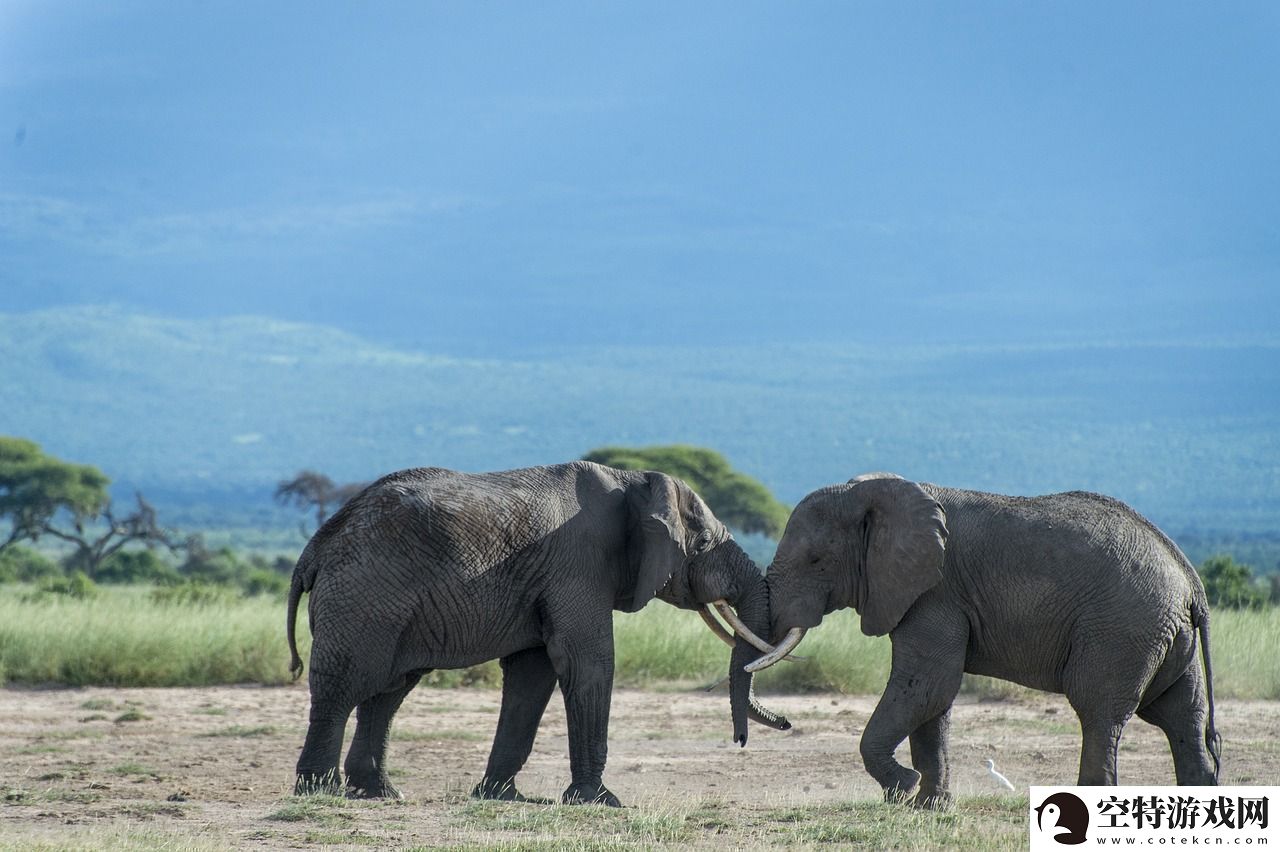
(997, 777)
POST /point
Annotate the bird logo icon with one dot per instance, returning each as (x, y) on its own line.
(1064, 815)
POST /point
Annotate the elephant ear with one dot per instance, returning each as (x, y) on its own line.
(655, 541)
(904, 536)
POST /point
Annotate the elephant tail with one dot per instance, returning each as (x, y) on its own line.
(1212, 740)
(303, 578)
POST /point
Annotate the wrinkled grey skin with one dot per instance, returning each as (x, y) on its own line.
(432, 568)
(1070, 593)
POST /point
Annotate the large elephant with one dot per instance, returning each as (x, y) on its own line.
(1070, 593)
(431, 568)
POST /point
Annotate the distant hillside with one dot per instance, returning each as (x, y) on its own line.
(216, 411)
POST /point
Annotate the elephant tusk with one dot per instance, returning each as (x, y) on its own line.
(722, 606)
(792, 639)
(716, 627)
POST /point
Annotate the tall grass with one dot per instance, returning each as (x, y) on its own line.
(1245, 649)
(125, 636)
(664, 644)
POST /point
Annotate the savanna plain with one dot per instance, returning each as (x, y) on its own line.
(173, 764)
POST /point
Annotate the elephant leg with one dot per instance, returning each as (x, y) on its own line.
(928, 663)
(1103, 685)
(366, 763)
(1100, 740)
(528, 680)
(583, 662)
(910, 701)
(929, 757)
(1180, 712)
(318, 764)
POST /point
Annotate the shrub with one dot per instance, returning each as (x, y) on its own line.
(263, 581)
(195, 593)
(137, 566)
(77, 585)
(1230, 584)
(23, 565)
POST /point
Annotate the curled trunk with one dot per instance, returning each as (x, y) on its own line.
(752, 607)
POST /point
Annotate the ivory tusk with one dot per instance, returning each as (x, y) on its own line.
(716, 627)
(726, 611)
(792, 639)
(722, 606)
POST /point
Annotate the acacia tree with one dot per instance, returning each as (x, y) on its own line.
(740, 501)
(34, 487)
(42, 495)
(312, 490)
(96, 543)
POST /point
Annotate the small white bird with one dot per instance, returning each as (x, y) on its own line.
(999, 779)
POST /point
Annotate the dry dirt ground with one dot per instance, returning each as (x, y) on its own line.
(213, 768)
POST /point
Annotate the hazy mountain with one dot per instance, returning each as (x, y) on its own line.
(206, 411)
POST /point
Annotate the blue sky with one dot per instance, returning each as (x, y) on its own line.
(503, 177)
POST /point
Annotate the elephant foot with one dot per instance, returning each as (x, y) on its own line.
(939, 801)
(318, 783)
(901, 785)
(379, 788)
(590, 794)
(504, 791)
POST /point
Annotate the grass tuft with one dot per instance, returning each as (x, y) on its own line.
(320, 809)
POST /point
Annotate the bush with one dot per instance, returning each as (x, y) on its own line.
(255, 574)
(20, 564)
(1230, 584)
(195, 593)
(214, 566)
(263, 581)
(77, 585)
(137, 566)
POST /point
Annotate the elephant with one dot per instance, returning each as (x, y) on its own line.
(1071, 593)
(435, 569)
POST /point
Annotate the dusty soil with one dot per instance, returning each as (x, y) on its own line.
(213, 768)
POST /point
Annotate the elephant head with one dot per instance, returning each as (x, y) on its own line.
(688, 558)
(875, 544)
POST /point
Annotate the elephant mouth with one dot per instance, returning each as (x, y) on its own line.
(726, 612)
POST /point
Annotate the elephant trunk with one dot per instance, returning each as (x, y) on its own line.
(753, 608)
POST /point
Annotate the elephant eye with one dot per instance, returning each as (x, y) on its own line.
(703, 542)
(815, 559)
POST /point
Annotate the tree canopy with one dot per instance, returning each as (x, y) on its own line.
(34, 487)
(739, 500)
(38, 492)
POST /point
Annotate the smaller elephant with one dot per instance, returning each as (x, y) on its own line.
(432, 568)
(1071, 593)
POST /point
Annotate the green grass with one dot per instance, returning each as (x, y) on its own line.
(663, 644)
(98, 704)
(1243, 646)
(978, 823)
(320, 809)
(116, 837)
(125, 638)
(132, 716)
